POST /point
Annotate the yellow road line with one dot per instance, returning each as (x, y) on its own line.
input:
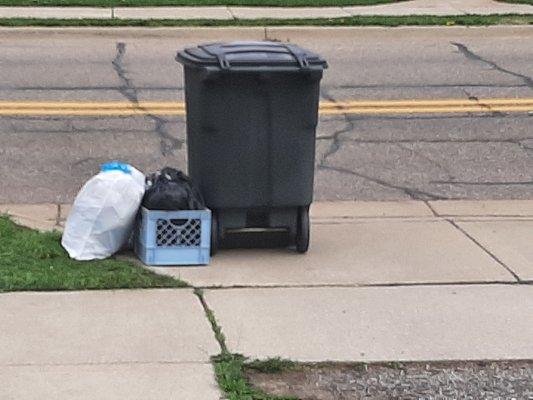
(426, 102)
(91, 104)
(429, 110)
(93, 113)
(121, 108)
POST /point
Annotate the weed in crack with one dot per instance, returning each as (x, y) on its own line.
(230, 368)
(217, 330)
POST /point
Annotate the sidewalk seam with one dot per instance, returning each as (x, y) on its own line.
(80, 364)
(58, 215)
(475, 241)
(435, 214)
(210, 315)
(368, 285)
(228, 9)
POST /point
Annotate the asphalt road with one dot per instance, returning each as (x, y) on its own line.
(367, 157)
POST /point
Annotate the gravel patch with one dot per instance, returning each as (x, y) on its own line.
(406, 381)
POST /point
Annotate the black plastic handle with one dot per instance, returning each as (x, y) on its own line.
(221, 52)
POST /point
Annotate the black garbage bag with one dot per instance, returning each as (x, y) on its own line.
(171, 190)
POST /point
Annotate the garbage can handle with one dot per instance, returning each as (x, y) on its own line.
(298, 54)
(221, 52)
(223, 61)
(220, 55)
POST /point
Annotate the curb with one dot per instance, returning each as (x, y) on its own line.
(48, 216)
(250, 13)
(283, 33)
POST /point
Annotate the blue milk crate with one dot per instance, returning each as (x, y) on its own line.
(173, 237)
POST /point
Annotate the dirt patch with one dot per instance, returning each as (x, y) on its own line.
(436, 381)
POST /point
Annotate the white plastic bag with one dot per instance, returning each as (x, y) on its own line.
(103, 214)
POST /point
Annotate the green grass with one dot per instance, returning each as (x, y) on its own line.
(518, 1)
(230, 373)
(463, 20)
(31, 260)
(152, 3)
(230, 368)
(272, 365)
(217, 330)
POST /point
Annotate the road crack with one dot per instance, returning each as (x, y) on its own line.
(335, 138)
(413, 193)
(427, 158)
(335, 146)
(470, 55)
(127, 88)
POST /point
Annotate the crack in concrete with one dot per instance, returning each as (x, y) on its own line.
(470, 55)
(168, 143)
(433, 211)
(489, 253)
(215, 326)
(230, 12)
(58, 215)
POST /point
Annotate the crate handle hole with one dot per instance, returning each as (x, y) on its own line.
(178, 222)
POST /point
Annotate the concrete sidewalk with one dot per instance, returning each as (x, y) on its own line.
(383, 281)
(123, 344)
(389, 243)
(368, 243)
(413, 7)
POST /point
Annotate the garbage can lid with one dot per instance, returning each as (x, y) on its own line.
(251, 55)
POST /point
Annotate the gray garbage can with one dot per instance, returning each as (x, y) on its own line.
(252, 111)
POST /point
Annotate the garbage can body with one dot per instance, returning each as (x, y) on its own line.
(252, 111)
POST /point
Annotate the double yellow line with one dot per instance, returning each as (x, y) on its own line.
(88, 108)
(121, 108)
(427, 106)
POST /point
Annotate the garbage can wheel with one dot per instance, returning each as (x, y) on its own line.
(214, 233)
(302, 233)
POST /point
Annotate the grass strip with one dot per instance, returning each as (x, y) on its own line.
(461, 20)
(191, 3)
(31, 260)
(530, 2)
